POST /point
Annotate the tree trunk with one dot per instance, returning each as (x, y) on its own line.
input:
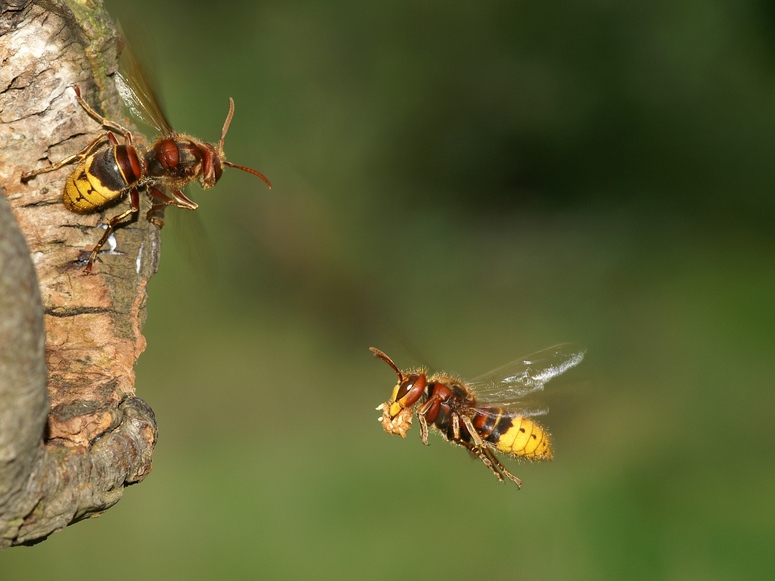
(71, 437)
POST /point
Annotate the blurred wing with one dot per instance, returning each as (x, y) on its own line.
(189, 238)
(137, 93)
(516, 384)
(526, 408)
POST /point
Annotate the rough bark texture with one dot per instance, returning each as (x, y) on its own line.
(98, 437)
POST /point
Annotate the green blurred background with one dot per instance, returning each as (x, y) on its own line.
(458, 184)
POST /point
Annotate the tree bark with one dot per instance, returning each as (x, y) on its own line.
(73, 437)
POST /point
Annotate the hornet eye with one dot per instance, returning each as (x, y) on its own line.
(405, 386)
(410, 390)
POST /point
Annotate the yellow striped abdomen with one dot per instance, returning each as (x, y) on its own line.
(527, 439)
(101, 179)
(513, 434)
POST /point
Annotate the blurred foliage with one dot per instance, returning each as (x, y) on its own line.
(458, 184)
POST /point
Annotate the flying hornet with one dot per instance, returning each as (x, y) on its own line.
(491, 413)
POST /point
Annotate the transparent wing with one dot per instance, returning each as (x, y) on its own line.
(137, 93)
(189, 238)
(525, 408)
(516, 384)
